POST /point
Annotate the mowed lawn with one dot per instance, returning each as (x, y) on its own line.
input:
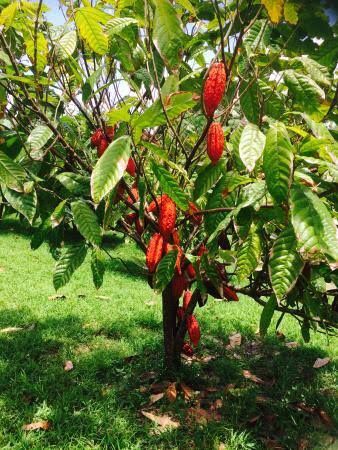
(113, 338)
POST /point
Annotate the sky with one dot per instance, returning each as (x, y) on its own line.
(54, 14)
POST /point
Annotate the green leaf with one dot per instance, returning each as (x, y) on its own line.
(186, 4)
(207, 178)
(249, 101)
(278, 162)
(162, 154)
(251, 145)
(110, 168)
(37, 139)
(58, 214)
(306, 92)
(39, 46)
(89, 20)
(291, 12)
(86, 221)
(8, 13)
(97, 266)
(267, 314)
(66, 45)
(25, 204)
(168, 36)
(257, 38)
(215, 200)
(72, 257)
(316, 71)
(165, 270)
(170, 186)
(76, 184)
(89, 84)
(248, 254)
(285, 264)
(313, 225)
(274, 8)
(11, 173)
(117, 24)
(233, 179)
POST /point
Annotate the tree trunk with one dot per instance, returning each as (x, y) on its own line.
(169, 310)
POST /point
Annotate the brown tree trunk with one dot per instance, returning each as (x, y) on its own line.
(169, 310)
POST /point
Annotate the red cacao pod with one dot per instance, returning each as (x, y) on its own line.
(186, 299)
(101, 148)
(176, 237)
(153, 208)
(215, 142)
(230, 294)
(167, 217)
(187, 349)
(179, 285)
(191, 272)
(214, 87)
(196, 218)
(134, 191)
(202, 249)
(193, 330)
(131, 167)
(154, 252)
(96, 137)
(110, 131)
(130, 218)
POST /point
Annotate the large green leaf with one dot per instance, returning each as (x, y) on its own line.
(274, 8)
(215, 200)
(168, 36)
(256, 39)
(249, 100)
(251, 145)
(72, 257)
(313, 225)
(58, 214)
(267, 314)
(97, 266)
(170, 186)
(316, 71)
(21, 202)
(66, 45)
(278, 162)
(38, 137)
(75, 183)
(11, 173)
(285, 264)
(306, 92)
(207, 177)
(86, 221)
(38, 47)
(110, 168)
(89, 20)
(165, 270)
(117, 24)
(248, 254)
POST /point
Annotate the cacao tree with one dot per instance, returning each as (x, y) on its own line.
(203, 130)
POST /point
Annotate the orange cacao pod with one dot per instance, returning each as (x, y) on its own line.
(176, 237)
(154, 252)
(179, 285)
(101, 148)
(152, 207)
(193, 330)
(214, 87)
(187, 349)
(215, 142)
(186, 299)
(191, 272)
(230, 294)
(131, 167)
(167, 217)
(110, 131)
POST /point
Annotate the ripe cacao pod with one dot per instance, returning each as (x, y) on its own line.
(101, 148)
(215, 142)
(230, 294)
(214, 87)
(187, 349)
(96, 137)
(186, 299)
(130, 218)
(191, 272)
(167, 217)
(134, 191)
(131, 167)
(154, 252)
(152, 207)
(179, 285)
(176, 237)
(110, 131)
(193, 330)
(202, 249)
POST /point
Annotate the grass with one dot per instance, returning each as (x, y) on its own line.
(97, 404)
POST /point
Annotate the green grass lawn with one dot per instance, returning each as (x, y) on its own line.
(98, 403)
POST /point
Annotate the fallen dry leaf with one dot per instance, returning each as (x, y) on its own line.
(102, 297)
(57, 297)
(280, 335)
(325, 418)
(156, 397)
(68, 366)
(321, 362)
(41, 425)
(235, 340)
(163, 421)
(150, 303)
(254, 419)
(250, 376)
(146, 376)
(303, 444)
(218, 404)
(301, 406)
(292, 344)
(171, 392)
(156, 388)
(262, 399)
(203, 416)
(187, 391)
(11, 329)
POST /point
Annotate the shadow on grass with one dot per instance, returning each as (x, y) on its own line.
(99, 402)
